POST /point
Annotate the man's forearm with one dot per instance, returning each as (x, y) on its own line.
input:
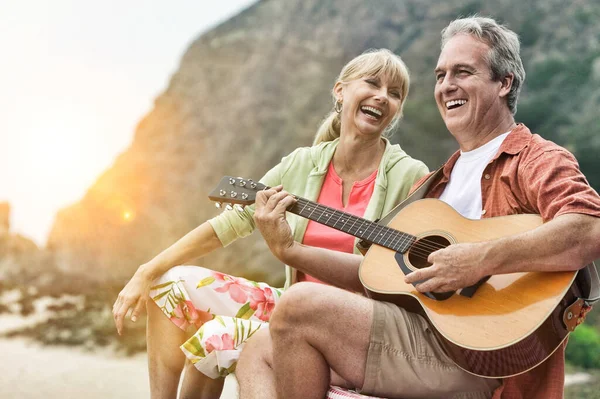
(566, 243)
(336, 268)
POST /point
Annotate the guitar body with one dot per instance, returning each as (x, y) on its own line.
(512, 323)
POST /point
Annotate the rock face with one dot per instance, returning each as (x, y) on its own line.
(255, 88)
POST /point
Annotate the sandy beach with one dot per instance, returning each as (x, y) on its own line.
(30, 371)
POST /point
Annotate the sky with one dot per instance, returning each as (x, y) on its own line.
(76, 76)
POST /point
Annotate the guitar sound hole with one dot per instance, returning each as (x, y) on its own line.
(420, 250)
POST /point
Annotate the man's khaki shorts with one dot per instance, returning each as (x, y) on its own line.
(406, 360)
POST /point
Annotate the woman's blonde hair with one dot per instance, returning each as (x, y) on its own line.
(372, 62)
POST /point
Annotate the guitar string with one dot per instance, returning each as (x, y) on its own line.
(432, 244)
(321, 210)
(421, 247)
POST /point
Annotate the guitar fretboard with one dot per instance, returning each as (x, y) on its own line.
(353, 225)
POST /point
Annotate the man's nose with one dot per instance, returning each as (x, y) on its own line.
(447, 84)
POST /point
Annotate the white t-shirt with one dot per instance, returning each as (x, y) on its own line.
(465, 179)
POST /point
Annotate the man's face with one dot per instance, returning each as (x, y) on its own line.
(469, 101)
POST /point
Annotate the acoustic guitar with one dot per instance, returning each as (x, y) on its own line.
(502, 326)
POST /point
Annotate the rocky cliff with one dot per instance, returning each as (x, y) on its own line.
(256, 87)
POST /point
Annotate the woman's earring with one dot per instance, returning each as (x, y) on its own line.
(338, 106)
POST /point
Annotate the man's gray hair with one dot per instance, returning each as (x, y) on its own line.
(504, 58)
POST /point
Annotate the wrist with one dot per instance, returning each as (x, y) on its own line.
(286, 253)
(491, 258)
(146, 272)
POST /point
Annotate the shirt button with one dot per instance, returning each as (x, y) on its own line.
(486, 176)
(483, 212)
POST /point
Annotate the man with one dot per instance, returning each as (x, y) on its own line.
(321, 334)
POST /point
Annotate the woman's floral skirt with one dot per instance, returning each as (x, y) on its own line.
(226, 310)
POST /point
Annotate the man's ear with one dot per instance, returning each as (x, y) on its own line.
(507, 83)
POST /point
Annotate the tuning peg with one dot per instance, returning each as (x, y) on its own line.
(222, 193)
(218, 205)
(229, 207)
(239, 208)
(231, 180)
(244, 196)
(233, 194)
(242, 182)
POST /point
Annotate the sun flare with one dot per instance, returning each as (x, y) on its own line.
(127, 216)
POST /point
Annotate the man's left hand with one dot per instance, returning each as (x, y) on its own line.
(454, 267)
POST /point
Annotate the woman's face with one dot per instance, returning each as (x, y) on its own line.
(368, 104)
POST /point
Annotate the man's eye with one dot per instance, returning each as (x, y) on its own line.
(439, 76)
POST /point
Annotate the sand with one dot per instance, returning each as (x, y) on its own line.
(29, 371)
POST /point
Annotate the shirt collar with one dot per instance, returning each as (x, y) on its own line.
(514, 143)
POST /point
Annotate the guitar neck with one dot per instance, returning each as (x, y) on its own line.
(353, 225)
(239, 191)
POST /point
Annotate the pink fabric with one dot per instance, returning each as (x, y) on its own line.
(341, 393)
(319, 235)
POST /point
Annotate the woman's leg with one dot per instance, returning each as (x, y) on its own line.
(184, 295)
(196, 385)
(166, 362)
(165, 359)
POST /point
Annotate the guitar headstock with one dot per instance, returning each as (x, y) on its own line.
(235, 191)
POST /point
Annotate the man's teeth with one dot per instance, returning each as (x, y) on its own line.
(373, 110)
(455, 103)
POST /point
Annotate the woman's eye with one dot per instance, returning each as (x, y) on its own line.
(372, 82)
(395, 94)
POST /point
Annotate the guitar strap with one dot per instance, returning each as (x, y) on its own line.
(587, 278)
(589, 283)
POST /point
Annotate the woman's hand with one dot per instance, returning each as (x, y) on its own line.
(269, 215)
(132, 297)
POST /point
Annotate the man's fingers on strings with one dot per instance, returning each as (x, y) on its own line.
(430, 285)
(419, 276)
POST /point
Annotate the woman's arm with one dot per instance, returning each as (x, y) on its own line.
(216, 233)
(336, 268)
(198, 242)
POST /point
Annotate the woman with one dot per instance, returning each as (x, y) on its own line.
(351, 166)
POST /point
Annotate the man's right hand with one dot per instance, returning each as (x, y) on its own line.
(132, 297)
